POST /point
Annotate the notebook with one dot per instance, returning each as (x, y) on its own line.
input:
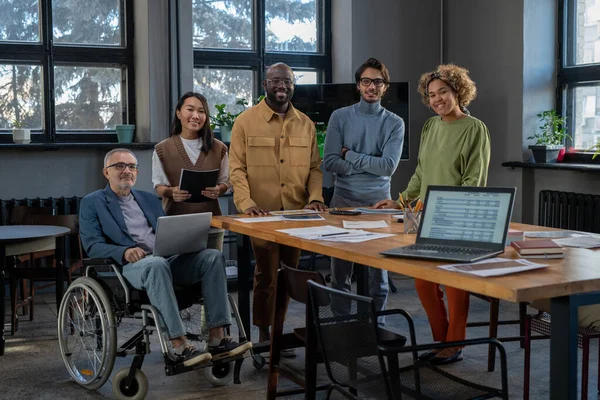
(462, 224)
(180, 234)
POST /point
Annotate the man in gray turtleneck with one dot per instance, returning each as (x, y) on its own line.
(362, 148)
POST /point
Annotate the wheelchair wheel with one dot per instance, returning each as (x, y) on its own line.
(195, 332)
(137, 390)
(220, 374)
(258, 361)
(87, 334)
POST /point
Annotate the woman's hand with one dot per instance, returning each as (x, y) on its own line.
(179, 195)
(214, 191)
(387, 204)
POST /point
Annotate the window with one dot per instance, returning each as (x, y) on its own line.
(235, 40)
(66, 69)
(579, 75)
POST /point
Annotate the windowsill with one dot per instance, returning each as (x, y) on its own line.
(563, 166)
(88, 145)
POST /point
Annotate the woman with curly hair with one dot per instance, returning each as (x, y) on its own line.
(454, 150)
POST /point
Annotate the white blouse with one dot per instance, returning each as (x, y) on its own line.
(192, 147)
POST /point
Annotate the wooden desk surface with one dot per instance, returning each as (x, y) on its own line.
(578, 272)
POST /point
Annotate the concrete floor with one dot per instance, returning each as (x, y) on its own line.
(32, 367)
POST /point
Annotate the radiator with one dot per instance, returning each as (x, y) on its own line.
(566, 210)
(60, 205)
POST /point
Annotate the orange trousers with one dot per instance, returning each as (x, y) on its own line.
(268, 255)
(445, 326)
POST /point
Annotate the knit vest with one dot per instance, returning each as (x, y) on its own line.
(173, 158)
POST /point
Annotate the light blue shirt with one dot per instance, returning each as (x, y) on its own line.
(374, 137)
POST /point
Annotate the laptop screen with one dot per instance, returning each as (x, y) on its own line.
(467, 214)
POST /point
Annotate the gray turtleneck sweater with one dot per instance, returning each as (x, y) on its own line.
(374, 136)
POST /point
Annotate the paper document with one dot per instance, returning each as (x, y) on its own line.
(365, 224)
(333, 234)
(294, 212)
(262, 219)
(494, 267)
(399, 216)
(584, 242)
(387, 211)
(554, 234)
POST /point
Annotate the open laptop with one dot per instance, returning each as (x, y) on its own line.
(462, 224)
(179, 234)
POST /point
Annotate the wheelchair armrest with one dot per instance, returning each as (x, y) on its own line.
(101, 264)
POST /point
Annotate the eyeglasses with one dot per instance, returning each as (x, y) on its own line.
(277, 82)
(377, 82)
(120, 166)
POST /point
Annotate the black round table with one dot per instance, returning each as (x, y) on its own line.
(23, 234)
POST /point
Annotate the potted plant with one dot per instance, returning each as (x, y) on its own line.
(21, 135)
(550, 139)
(320, 130)
(225, 119)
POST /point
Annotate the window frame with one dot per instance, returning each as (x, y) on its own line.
(571, 76)
(259, 58)
(48, 56)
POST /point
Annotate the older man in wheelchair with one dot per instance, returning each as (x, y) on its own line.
(119, 223)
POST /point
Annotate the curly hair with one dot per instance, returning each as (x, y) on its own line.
(455, 76)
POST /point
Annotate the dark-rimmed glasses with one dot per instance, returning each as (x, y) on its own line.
(378, 82)
(277, 82)
(120, 166)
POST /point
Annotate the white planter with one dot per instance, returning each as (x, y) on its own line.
(21, 136)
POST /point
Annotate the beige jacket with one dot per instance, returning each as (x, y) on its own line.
(273, 163)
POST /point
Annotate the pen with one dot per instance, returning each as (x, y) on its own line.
(334, 234)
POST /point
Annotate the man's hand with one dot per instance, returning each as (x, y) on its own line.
(179, 195)
(134, 254)
(387, 204)
(316, 205)
(255, 211)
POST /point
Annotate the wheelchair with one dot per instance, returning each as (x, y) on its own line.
(92, 308)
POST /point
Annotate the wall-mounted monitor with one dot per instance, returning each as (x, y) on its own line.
(319, 102)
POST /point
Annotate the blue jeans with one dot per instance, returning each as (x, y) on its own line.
(156, 275)
(341, 273)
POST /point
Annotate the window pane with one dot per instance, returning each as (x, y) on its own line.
(291, 25)
(223, 24)
(586, 100)
(20, 96)
(19, 21)
(305, 77)
(95, 22)
(587, 31)
(224, 86)
(88, 98)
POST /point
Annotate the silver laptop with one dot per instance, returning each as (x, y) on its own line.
(462, 224)
(179, 234)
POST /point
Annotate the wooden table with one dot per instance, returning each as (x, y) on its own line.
(570, 282)
(21, 239)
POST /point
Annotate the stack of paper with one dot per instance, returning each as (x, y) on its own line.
(333, 234)
(494, 267)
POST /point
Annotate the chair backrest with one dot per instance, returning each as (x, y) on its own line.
(19, 214)
(73, 249)
(296, 282)
(348, 338)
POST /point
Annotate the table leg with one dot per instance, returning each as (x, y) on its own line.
(244, 268)
(563, 349)
(2, 310)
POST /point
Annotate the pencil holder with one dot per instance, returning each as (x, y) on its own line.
(412, 219)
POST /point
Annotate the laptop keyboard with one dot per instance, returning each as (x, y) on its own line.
(446, 249)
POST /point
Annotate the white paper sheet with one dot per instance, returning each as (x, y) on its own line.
(494, 267)
(553, 234)
(261, 219)
(584, 242)
(365, 224)
(399, 216)
(295, 212)
(356, 238)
